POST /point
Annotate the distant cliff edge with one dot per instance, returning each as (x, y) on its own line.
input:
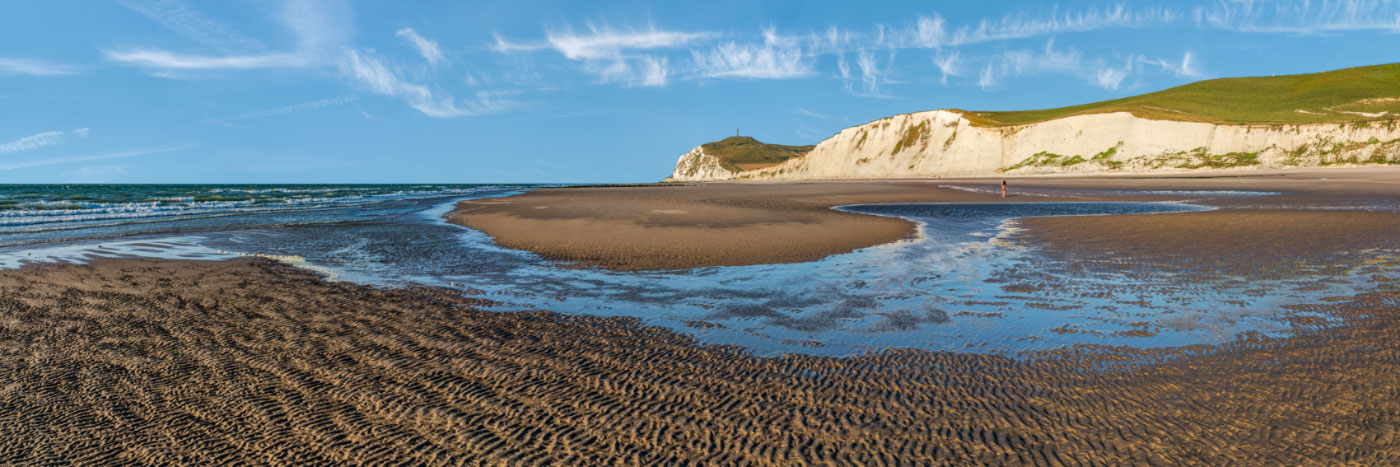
(1347, 117)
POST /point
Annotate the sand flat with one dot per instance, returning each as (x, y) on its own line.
(254, 361)
(671, 227)
(640, 227)
(186, 362)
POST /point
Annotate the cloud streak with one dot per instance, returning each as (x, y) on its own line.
(21, 66)
(295, 108)
(933, 31)
(321, 42)
(626, 56)
(48, 138)
(115, 155)
(1187, 67)
(1110, 77)
(183, 20)
(317, 27)
(608, 43)
(949, 65)
(809, 113)
(373, 74)
(1024, 62)
(778, 57)
(425, 47)
(613, 54)
(155, 58)
(1300, 17)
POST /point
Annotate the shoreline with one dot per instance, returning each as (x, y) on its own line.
(681, 226)
(206, 362)
(659, 227)
(170, 361)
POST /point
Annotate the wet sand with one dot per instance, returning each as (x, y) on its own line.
(1253, 242)
(686, 226)
(170, 362)
(253, 361)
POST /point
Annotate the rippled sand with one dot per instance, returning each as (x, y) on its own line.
(251, 361)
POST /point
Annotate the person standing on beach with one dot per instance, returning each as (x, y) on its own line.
(1003, 188)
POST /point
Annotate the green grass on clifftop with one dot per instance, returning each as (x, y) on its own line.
(743, 153)
(1346, 95)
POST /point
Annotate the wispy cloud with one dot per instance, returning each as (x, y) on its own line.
(302, 107)
(607, 43)
(615, 54)
(933, 31)
(114, 155)
(655, 71)
(317, 26)
(373, 74)
(48, 138)
(612, 53)
(1187, 67)
(604, 42)
(809, 113)
(154, 58)
(873, 75)
(426, 47)
(1111, 77)
(321, 41)
(949, 65)
(182, 19)
(778, 57)
(626, 56)
(21, 66)
(1300, 17)
(1024, 62)
(647, 71)
(506, 46)
(987, 77)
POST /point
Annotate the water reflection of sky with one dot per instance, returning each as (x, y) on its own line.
(955, 287)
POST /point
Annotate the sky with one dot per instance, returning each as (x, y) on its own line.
(383, 91)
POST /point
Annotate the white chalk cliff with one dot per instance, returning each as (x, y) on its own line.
(942, 143)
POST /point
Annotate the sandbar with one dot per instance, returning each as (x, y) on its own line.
(736, 223)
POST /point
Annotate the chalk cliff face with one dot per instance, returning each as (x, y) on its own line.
(698, 166)
(943, 143)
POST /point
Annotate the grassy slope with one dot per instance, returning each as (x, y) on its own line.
(1326, 96)
(743, 150)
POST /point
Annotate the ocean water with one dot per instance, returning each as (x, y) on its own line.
(32, 214)
(949, 289)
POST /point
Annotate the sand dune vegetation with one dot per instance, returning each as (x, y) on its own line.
(1357, 94)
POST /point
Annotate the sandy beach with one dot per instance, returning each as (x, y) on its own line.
(742, 233)
(250, 360)
(717, 224)
(170, 362)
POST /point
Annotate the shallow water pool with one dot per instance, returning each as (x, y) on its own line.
(957, 286)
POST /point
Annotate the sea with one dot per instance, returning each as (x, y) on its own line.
(946, 289)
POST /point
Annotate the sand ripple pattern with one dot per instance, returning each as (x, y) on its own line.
(252, 362)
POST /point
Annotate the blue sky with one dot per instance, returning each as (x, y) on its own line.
(174, 91)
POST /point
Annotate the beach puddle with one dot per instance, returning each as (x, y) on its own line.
(958, 286)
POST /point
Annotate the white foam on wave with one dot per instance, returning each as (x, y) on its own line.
(58, 211)
(183, 248)
(1200, 193)
(293, 260)
(996, 190)
(165, 248)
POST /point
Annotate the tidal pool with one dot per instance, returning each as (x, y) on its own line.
(957, 286)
